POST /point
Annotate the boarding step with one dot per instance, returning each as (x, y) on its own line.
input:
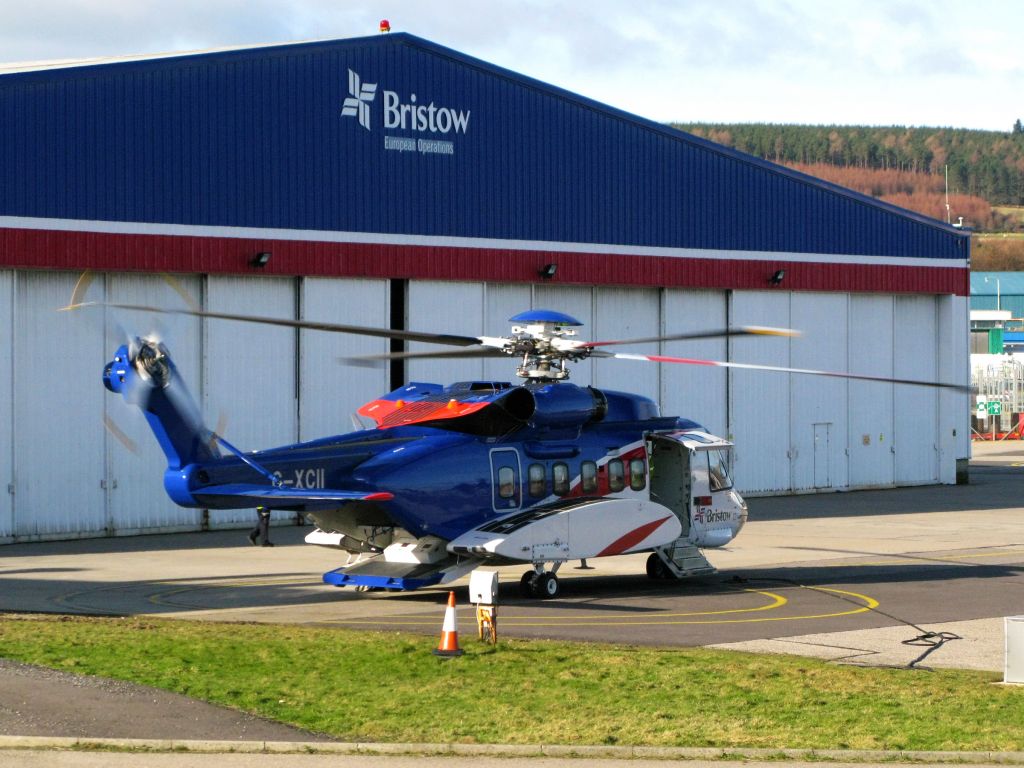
(684, 559)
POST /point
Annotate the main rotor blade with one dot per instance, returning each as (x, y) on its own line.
(469, 352)
(780, 369)
(743, 330)
(359, 330)
(120, 435)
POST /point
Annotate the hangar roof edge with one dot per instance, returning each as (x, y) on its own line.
(46, 70)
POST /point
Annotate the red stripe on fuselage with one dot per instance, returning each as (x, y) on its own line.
(631, 539)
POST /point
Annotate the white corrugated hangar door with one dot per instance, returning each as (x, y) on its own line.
(818, 403)
(695, 391)
(455, 308)
(915, 408)
(331, 390)
(871, 413)
(251, 369)
(471, 309)
(59, 470)
(759, 401)
(136, 500)
(475, 309)
(627, 313)
(6, 406)
(954, 437)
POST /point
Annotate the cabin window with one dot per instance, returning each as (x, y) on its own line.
(588, 476)
(637, 475)
(506, 482)
(616, 475)
(538, 480)
(560, 478)
(718, 470)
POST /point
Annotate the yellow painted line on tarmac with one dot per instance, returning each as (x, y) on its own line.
(68, 600)
(775, 602)
(65, 601)
(912, 559)
(751, 615)
(255, 581)
(868, 604)
(165, 597)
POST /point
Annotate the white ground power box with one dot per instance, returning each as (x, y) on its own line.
(1014, 672)
(483, 587)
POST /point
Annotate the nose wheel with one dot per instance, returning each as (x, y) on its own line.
(539, 584)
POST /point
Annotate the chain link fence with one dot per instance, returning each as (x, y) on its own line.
(997, 382)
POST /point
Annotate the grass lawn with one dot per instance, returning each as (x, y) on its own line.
(389, 687)
(1015, 212)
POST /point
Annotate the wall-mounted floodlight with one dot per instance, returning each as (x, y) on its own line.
(548, 271)
(260, 260)
(778, 277)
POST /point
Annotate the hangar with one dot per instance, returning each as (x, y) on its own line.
(390, 181)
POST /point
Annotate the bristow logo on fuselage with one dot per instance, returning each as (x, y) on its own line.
(405, 116)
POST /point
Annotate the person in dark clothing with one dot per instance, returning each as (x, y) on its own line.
(262, 529)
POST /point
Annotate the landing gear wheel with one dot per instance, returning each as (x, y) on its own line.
(546, 586)
(528, 584)
(656, 567)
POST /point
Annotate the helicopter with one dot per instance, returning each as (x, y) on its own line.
(456, 476)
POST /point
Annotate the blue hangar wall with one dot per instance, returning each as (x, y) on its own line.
(391, 156)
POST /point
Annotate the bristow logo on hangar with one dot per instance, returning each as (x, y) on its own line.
(405, 116)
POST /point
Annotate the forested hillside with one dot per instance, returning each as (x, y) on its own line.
(907, 167)
(983, 164)
(917, 191)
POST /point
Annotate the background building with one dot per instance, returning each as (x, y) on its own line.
(397, 183)
(997, 312)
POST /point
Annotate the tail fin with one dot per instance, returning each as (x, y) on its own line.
(143, 373)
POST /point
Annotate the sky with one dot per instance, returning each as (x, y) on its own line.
(845, 62)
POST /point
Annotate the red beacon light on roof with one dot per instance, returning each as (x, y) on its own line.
(385, 25)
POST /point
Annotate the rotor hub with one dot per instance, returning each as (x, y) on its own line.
(149, 358)
(545, 345)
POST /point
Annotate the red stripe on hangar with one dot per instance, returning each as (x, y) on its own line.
(631, 539)
(68, 249)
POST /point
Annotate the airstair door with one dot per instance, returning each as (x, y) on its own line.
(670, 477)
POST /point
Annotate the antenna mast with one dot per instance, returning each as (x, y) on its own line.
(948, 219)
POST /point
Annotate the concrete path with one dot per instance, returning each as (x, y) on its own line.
(271, 755)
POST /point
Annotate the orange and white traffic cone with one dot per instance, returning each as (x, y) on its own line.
(449, 645)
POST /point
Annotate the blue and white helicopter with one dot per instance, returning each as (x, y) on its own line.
(473, 473)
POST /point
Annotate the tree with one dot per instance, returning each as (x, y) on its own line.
(1017, 127)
